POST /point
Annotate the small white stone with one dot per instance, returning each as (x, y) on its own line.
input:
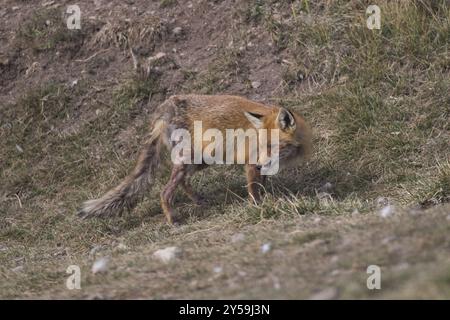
(160, 55)
(324, 196)
(122, 247)
(242, 273)
(266, 247)
(19, 148)
(177, 31)
(256, 84)
(94, 250)
(387, 211)
(100, 265)
(217, 269)
(168, 254)
(327, 294)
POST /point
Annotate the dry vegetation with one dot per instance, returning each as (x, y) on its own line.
(73, 113)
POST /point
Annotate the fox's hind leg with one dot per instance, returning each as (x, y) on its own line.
(167, 195)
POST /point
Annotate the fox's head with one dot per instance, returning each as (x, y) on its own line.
(294, 135)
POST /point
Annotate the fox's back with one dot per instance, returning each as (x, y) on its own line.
(217, 111)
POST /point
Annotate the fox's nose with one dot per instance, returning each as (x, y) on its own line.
(258, 167)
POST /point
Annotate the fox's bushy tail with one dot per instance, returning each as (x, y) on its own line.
(131, 189)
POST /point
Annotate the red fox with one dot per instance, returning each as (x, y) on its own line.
(214, 111)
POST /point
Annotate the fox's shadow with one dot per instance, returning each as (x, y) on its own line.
(308, 181)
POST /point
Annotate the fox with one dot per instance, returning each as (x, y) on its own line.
(220, 112)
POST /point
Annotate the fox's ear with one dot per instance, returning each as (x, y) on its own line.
(255, 119)
(286, 120)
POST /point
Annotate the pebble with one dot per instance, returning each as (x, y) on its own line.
(168, 254)
(100, 265)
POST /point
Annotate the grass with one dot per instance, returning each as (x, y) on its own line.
(167, 3)
(46, 31)
(378, 101)
(227, 68)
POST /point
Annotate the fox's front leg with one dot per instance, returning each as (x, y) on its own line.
(167, 195)
(254, 181)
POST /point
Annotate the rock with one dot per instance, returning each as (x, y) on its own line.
(324, 196)
(158, 57)
(218, 269)
(387, 211)
(237, 237)
(327, 294)
(168, 254)
(327, 186)
(388, 240)
(177, 31)
(266, 247)
(121, 247)
(382, 201)
(100, 265)
(276, 283)
(256, 84)
(19, 148)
